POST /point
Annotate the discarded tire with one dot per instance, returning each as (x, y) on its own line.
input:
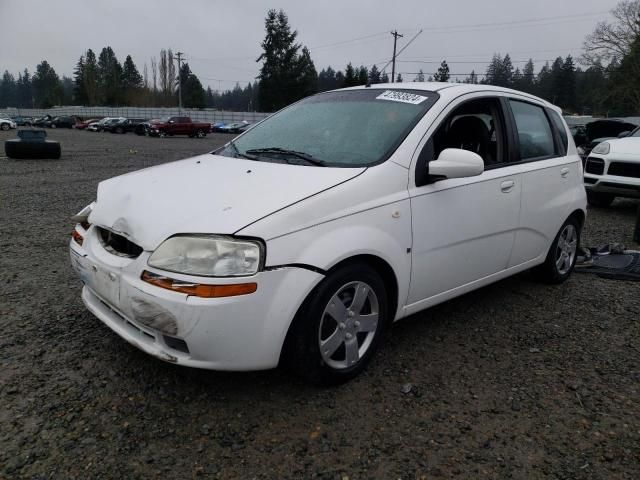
(32, 144)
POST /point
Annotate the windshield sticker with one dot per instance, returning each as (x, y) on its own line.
(403, 97)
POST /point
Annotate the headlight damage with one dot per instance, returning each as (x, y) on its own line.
(209, 255)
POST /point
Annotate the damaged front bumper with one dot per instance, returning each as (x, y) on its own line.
(243, 332)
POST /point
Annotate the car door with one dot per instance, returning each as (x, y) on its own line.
(549, 177)
(463, 229)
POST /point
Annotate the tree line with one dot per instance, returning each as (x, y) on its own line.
(609, 83)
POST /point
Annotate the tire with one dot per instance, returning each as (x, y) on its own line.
(119, 130)
(53, 125)
(561, 258)
(161, 134)
(5, 126)
(326, 321)
(201, 134)
(32, 150)
(598, 199)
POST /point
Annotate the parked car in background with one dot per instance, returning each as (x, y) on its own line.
(600, 130)
(40, 122)
(179, 126)
(300, 241)
(216, 126)
(143, 128)
(123, 126)
(100, 125)
(613, 170)
(237, 127)
(22, 121)
(61, 122)
(7, 124)
(83, 124)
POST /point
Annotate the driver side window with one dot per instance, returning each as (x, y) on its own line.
(476, 125)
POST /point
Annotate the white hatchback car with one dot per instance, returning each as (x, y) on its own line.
(613, 170)
(302, 239)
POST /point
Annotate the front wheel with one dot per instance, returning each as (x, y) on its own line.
(562, 255)
(5, 126)
(201, 134)
(339, 326)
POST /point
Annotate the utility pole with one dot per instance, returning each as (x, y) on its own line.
(179, 58)
(393, 60)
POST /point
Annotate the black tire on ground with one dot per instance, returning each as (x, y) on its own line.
(328, 319)
(32, 150)
(5, 126)
(201, 134)
(598, 199)
(562, 256)
(119, 130)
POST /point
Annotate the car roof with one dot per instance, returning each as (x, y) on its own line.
(454, 89)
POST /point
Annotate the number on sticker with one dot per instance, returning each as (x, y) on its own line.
(403, 97)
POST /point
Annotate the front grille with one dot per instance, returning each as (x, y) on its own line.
(624, 169)
(118, 245)
(595, 166)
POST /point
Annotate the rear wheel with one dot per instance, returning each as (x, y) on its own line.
(599, 199)
(201, 134)
(338, 328)
(562, 255)
(5, 126)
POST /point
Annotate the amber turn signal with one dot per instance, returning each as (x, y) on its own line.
(77, 237)
(199, 289)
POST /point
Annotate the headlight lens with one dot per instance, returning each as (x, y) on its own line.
(602, 148)
(208, 255)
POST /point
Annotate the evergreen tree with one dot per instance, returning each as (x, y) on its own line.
(567, 87)
(419, 77)
(384, 78)
(527, 84)
(131, 81)
(500, 71)
(285, 75)
(363, 75)
(8, 91)
(625, 82)
(374, 75)
(442, 75)
(544, 82)
(350, 79)
(67, 86)
(340, 79)
(90, 78)
(472, 78)
(399, 78)
(193, 95)
(109, 78)
(47, 91)
(79, 90)
(25, 93)
(327, 80)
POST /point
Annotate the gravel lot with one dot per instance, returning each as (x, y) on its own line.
(516, 380)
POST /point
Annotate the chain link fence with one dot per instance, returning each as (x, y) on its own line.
(204, 115)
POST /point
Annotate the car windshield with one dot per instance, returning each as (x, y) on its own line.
(347, 128)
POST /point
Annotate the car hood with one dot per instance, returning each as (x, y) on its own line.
(625, 145)
(607, 128)
(205, 194)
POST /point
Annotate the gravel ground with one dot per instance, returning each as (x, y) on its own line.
(516, 380)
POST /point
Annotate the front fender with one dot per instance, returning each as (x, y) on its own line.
(384, 232)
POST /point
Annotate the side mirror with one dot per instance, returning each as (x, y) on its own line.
(623, 134)
(456, 163)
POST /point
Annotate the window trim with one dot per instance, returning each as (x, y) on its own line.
(421, 175)
(516, 139)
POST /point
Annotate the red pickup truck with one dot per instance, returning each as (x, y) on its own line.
(178, 126)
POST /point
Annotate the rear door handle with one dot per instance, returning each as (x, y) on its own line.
(564, 172)
(507, 186)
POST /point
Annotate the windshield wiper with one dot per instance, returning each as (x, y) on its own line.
(237, 153)
(283, 151)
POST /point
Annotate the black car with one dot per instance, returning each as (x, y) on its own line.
(124, 126)
(32, 144)
(61, 122)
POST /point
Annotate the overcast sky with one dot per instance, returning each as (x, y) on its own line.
(221, 39)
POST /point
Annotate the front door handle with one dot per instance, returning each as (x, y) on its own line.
(564, 172)
(507, 186)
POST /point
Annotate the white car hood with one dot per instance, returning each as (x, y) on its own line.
(205, 194)
(625, 145)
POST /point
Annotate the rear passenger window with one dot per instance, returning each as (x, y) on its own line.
(562, 131)
(534, 131)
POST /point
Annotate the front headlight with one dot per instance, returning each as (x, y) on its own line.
(602, 148)
(209, 255)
